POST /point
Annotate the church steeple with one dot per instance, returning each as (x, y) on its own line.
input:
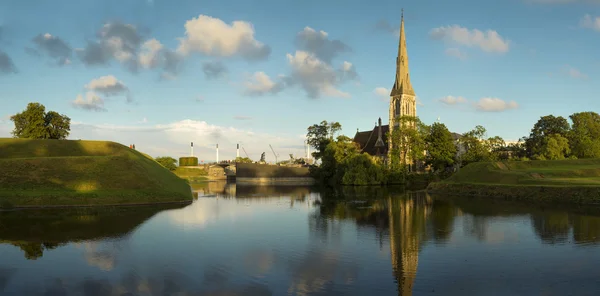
(402, 84)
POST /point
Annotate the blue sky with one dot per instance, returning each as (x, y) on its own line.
(163, 73)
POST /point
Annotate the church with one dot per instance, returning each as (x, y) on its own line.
(402, 103)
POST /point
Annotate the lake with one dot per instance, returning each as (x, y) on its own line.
(244, 240)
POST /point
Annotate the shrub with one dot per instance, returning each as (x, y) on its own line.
(188, 161)
(168, 162)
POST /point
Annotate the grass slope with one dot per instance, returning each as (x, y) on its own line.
(191, 174)
(53, 172)
(579, 172)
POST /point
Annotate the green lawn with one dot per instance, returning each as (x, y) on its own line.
(192, 174)
(65, 172)
(579, 172)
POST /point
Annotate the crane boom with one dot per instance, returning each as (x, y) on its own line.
(273, 153)
(245, 152)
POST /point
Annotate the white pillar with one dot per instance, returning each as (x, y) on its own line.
(192, 147)
(217, 153)
(237, 154)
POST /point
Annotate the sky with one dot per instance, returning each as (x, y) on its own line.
(160, 74)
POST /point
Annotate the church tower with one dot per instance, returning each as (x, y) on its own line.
(402, 97)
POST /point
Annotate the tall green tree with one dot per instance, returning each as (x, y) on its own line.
(440, 147)
(554, 147)
(477, 148)
(546, 125)
(408, 141)
(497, 147)
(35, 123)
(584, 136)
(320, 135)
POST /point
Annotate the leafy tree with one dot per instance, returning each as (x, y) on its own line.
(408, 141)
(35, 123)
(475, 145)
(497, 147)
(362, 169)
(168, 162)
(320, 135)
(555, 147)
(440, 147)
(243, 160)
(546, 125)
(584, 136)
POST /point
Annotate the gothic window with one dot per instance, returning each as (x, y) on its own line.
(397, 107)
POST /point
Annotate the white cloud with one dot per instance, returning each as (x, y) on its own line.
(383, 93)
(91, 102)
(455, 52)
(495, 105)
(319, 43)
(176, 136)
(314, 76)
(107, 85)
(489, 41)
(149, 56)
(574, 73)
(260, 84)
(213, 37)
(451, 100)
(590, 22)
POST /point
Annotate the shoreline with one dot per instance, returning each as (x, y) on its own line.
(581, 194)
(37, 207)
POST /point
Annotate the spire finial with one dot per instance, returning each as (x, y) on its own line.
(402, 15)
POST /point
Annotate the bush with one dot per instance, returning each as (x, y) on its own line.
(188, 161)
(168, 162)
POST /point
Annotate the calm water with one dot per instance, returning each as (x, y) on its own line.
(294, 241)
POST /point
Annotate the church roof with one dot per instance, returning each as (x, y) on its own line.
(366, 140)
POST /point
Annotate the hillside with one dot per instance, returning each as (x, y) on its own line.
(576, 172)
(65, 172)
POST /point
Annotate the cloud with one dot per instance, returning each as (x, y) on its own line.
(314, 76)
(107, 85)
(320, 45)
(91, 102)
(176, 136)
(489, 41)
(115, 41)
(590, 22)
(241, 117)
(347, 72)
(494, 105)
(154, 55)
(6, 64)
(457, 53)
(213, 37)
(450, 100)
(53, 47)
(574, 73)
(214, 69)
(383, 93)
(261, 84)
(385, 26)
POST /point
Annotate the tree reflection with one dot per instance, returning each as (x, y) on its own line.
(34, 231)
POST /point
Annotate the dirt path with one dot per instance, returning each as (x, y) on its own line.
(537, 176)
(502, 166)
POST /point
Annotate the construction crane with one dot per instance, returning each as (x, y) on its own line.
(273, 153)
(245, 152)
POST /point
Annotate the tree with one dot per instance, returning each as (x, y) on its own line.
(440, 147)
(546, 125)
(168, 162)
(555, 147)
(243, 160)
(584, 136)
(497, 147)
(320, 135)
(35, 123)
(475, 145)
(408, 141)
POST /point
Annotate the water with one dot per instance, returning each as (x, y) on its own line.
(296, 241)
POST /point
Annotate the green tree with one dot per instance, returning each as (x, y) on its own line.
(440, 147)
(584, 136)
(408, 141)
(243, 160)
(554, 147)
(35, 123)
(497, 147)
(320, 135)
(546, 125)
(477, 148)
(168, 162)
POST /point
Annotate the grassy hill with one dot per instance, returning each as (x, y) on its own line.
(65, 172)
(569, 172)
(556, 181)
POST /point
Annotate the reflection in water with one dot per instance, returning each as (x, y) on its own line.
(265, 240)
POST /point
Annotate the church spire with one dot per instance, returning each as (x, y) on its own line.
(402, 84)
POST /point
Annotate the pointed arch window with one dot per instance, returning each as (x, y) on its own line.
(397, 107)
